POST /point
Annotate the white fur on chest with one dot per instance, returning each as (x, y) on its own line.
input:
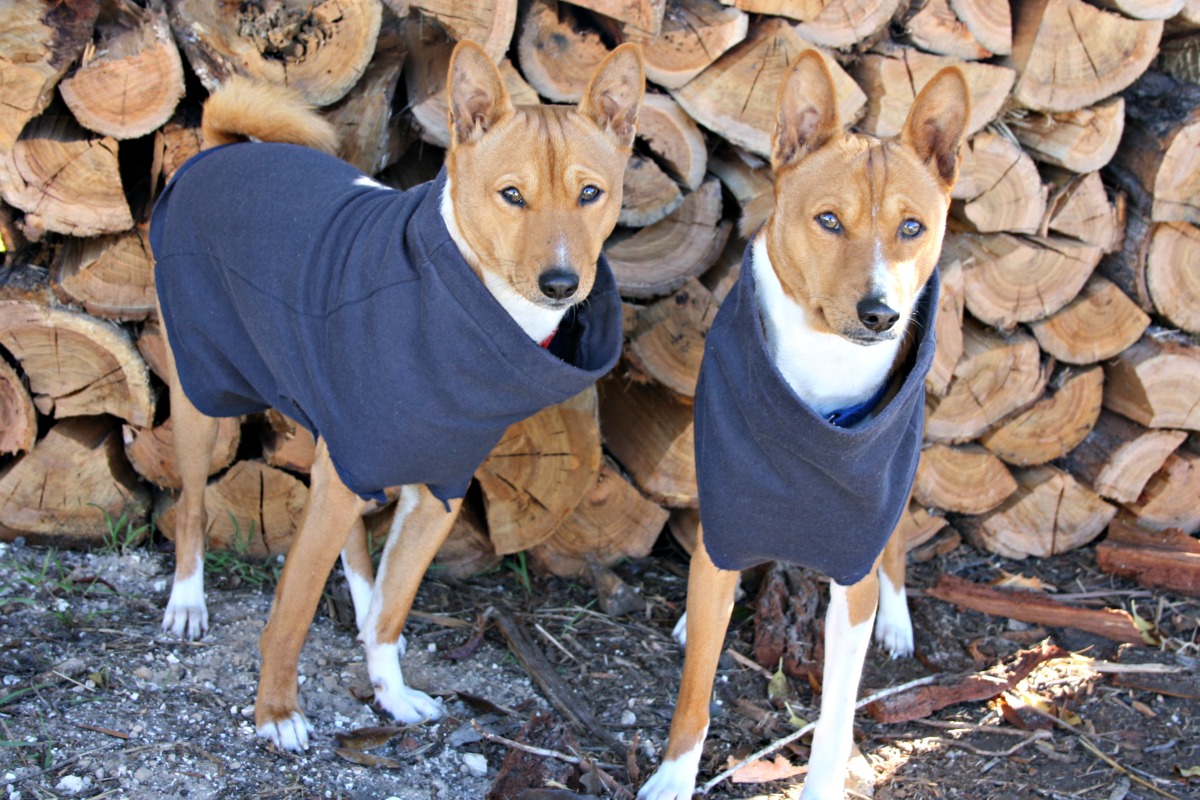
(827, 371)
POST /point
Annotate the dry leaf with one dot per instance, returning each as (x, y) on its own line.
(1190, 772)
(366, 759)
(1008, 580)
(368, 738)
(763, 771)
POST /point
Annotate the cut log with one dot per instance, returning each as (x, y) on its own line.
(948, 326)
(659, 258)
(18, 419)
(151, 451)
(668, 342)
(1173, 273)
(648, 194)
(892, 81)
(556, 56)
(366, 138)
(1011, 195)
(966, 479)
(613, 522)
(1013, 279)
(152, 345)
(641, 20)
(319, 47)
(649, 431)
(1055, 425)
(1171, 498)
(77, 365)
(1162, 560)
(1156, 382)
(936, 29)
(724, 274)
(684, 525)
(1144, 9)
(1097, 325)
(694, 34)
(919, 528)
(540, 471)
(996, 376)
(841, 23)
(467, 551)
(674, 138)
(1070, 54)
(750, 181)
(1082, 141)
(1119, 456)
(130, 81)
(65, 179)
(1050, 513)
(488, 23)
(1161, 145)
(253, 509)
(735, 97)
(1079, 208)
(39, 41)
(109, 276)
(60, 491)
(287, 445)
(177, 141)
(989, 22)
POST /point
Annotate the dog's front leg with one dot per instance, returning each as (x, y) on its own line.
(328, 518)
(421, 525)
(847, 637)
(709, 603)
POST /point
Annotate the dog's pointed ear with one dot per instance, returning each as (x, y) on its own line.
(806, 114)
(476, 96)
(937, 124)
(614, 94)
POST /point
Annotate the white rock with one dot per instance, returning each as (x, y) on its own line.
(476, 764)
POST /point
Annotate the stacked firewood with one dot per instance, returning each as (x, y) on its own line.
(1067, 380)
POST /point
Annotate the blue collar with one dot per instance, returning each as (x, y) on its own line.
(849, 417)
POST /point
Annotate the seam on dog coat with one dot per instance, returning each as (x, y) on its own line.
(288, 279)
(780, 482)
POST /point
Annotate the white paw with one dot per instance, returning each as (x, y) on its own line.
(409, 706)
(290, 734)
(679, 632)
(186, 616)
(672, 781)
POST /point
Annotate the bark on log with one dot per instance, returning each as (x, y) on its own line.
(694, 34)
(151, 451)
(647, 195)
(488, 23)
(1119, 456)
(668, 342)
(672, 135)
(109, 276)
(965, 479)
(949, 326)
(1012, 197)
(1083, 140)
(366, 137)
(1164, 560)
(1055, 425)
(18, 419)
(989, 22)
(1156, 382)
(1171, 498)
(935, 28)
(1079, 207)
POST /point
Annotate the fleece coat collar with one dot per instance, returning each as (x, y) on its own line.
(290, 280)
(780, 482)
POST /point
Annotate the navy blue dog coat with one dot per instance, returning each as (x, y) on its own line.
(288, 279)
(780, 482)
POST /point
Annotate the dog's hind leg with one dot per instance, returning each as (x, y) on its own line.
(893, 626)
(360, 575)
(421, 525)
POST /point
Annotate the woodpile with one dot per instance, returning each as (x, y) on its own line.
(1066, 382)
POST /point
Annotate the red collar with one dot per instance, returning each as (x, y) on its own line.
(545, 343)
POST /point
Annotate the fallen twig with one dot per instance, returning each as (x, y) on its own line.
(1029, 739)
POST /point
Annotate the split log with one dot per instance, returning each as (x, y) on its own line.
(130, 81)
(1079, 207)
(60, 491)
(1144, 9)
(76, 365)
(1161, 145)
(694, 34)
(1037, 609)
(989, 22)
(1054, 425)
(927, 536)
(674, 138)
(735, 97)
(1171, 498)
(65, 179)
(1126, 267)
(253, 509)
(648, 194)
(1012, 197)
(936, 29)
(1070, 54)
(1011, 279)
(176, 142)
(659, 258)
(749, 180)
(641, 20)
(948, 327)
(467, 551)
(540, 471)
(151, 451)
(39, 41)
(1119, 456)
(488, 23)
(1163, 560)
(1050, 513)
(1156, 382)
(1172, 275)
(840, 23)
(363, 118)
(996, 376)
(18, 419)
(721, 277)
(649, 431)
(965, 479)
(1083, 140)
(556, 57)
(684, 525)
(667, 343)
(893, 79)
(152, 346)
(318, 47)
(612, 522)
(286, 444)
(109, 276)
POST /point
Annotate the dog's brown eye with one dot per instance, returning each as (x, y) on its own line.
(512, 196)
(830, 222)
(911, 229)
(590, 194)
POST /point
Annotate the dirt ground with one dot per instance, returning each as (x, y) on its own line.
(95, 702)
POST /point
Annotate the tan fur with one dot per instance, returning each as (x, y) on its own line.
(242, 109)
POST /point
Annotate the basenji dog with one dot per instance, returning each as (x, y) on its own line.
(405, 329)
(809, 408)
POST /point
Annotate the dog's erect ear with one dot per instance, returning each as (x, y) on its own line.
(614, 94)
(937, 124)
(477, 97)
(806, 113)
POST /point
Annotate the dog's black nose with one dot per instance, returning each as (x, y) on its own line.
(558, 283)
(876, 315)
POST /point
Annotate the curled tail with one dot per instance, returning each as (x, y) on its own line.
(244, 108)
